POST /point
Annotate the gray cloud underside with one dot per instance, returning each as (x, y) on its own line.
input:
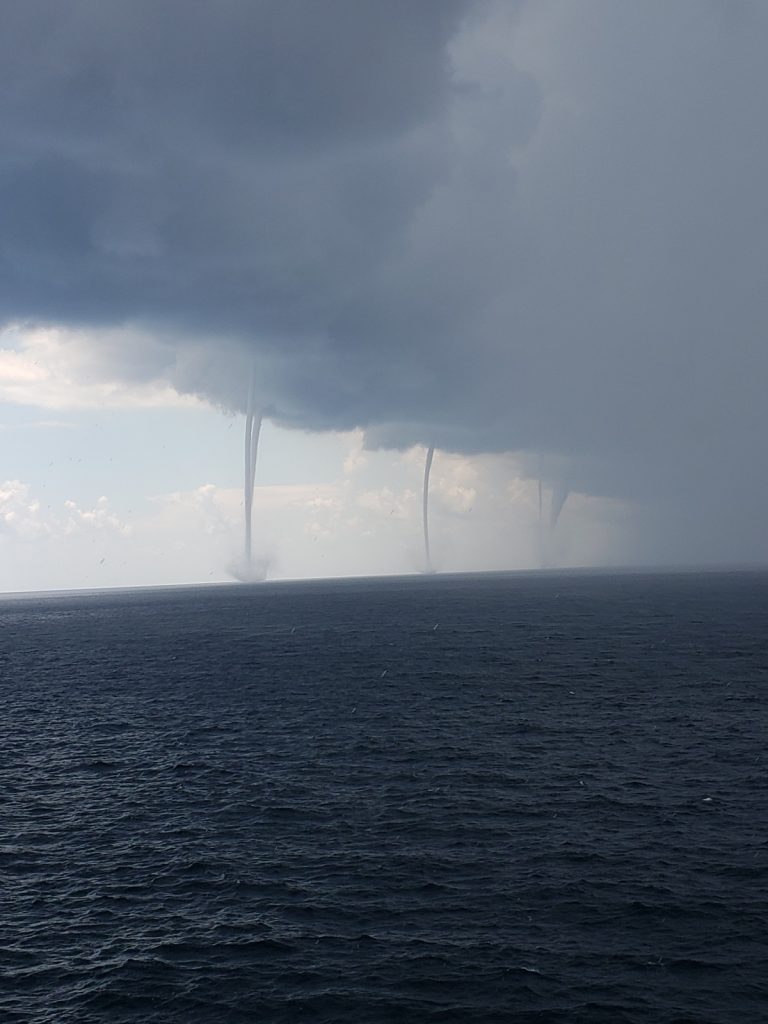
(537, 226)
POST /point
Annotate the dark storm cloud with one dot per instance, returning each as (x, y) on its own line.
(488, 226)
(291, 175)
(222, 164)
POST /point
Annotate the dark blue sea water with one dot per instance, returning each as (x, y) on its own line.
(456, 799)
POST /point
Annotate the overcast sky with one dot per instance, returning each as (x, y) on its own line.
(532, 234)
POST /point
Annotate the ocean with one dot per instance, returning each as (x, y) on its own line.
(480, 798)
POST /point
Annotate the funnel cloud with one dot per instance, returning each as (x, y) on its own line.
(425, 509)
(252, 432)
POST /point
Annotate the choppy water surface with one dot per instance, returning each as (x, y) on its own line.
(455, 799)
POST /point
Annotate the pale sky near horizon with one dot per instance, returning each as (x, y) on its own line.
(113, 485)
(134, 489)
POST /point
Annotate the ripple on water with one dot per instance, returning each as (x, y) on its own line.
(215, 806)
